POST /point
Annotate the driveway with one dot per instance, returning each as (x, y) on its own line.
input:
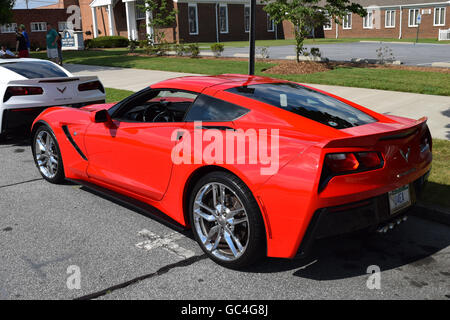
(49, 233)
(410, 54)
(436, 108)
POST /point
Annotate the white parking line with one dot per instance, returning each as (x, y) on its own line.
(166, 242)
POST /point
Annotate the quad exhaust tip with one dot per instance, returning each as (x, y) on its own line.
(391, 225)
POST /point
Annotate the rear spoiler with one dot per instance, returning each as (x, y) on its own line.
(372, 139)
(37, 81)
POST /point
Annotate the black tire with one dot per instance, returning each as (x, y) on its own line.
(58, 176)
(2, 137)
(256, 237)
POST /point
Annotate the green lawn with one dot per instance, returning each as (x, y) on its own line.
(376, 78)
(114, 95)
(438, 188)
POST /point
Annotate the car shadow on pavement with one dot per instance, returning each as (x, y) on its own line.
(15, 141)
(411, 243)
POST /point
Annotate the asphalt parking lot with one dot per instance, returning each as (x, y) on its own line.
(46, 230)
(421, 54)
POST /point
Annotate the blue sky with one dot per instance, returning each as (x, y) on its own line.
(21, 4)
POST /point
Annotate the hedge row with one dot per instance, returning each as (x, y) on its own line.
(107, 42)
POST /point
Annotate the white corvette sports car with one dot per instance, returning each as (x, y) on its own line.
(28, 86)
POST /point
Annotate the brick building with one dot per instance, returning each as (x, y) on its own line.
(197, 21)
(394, 19)
(35, 22)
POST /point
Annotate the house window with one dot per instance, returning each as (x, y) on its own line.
(193, 19)
(8, 28)
(389, 19)
(413, 14)
(140, 9)
(328, 24)
(63, 25)
(223, 18)
(270, 24)
(246, 18)
(347, 21)
(368, 20)
(38, 26)
(439, 16)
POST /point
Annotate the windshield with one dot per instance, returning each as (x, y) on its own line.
(307, 103)
(35, 69)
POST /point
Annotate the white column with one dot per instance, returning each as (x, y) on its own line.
(111, 20)
(400, 22)
(94, 22)
(131, 20)
(148, 19)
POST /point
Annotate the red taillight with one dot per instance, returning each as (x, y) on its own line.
(93, 85)
(341, 162)
(21, 91)
(369, 159)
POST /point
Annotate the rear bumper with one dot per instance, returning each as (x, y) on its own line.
(21, 118)
(368, 215)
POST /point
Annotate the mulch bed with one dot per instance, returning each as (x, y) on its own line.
(292, 67)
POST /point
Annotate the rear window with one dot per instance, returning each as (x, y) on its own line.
(206, 108)
(34, 69)
(307, 103)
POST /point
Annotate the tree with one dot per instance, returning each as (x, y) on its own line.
(163, 14)
(5, 10)
(308, 14)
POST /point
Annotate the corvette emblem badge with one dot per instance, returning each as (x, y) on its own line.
(61, 90)
(405, 155)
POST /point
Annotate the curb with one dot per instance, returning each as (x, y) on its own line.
(432, 212)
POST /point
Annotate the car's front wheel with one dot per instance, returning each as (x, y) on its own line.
(47, 155)
(226, 220)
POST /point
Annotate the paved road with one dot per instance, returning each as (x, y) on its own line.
(436, 108)
(45, 229)
(408, 53)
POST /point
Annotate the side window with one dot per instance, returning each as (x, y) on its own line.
(157, 106)
(207, 108)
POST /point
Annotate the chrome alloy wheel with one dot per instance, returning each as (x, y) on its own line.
(221, 221)
(46, 154)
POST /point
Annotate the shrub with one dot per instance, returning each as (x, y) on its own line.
(109, 42)
(133, 45)
(263, 52)
(159, 49)
(87, 43)
(315, 52)
(180, 49)
(143, 43)
(217, 49)
(194, 50)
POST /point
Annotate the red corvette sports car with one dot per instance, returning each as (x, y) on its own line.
(256, 166)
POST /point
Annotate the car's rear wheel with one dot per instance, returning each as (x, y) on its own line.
(226, 220)
(47, 155)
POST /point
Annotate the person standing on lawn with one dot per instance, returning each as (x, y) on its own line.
(59, 43)
(25, 34)
(52, 45)
(21, 45)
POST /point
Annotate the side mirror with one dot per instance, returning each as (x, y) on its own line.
(100, 116)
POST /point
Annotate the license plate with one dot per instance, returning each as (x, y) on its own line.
(399, 199)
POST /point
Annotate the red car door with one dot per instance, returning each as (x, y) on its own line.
(132, 156)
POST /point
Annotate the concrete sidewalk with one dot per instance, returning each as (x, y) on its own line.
(412, 105)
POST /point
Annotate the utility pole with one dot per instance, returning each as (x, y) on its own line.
(26, 2)
(251, 58)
